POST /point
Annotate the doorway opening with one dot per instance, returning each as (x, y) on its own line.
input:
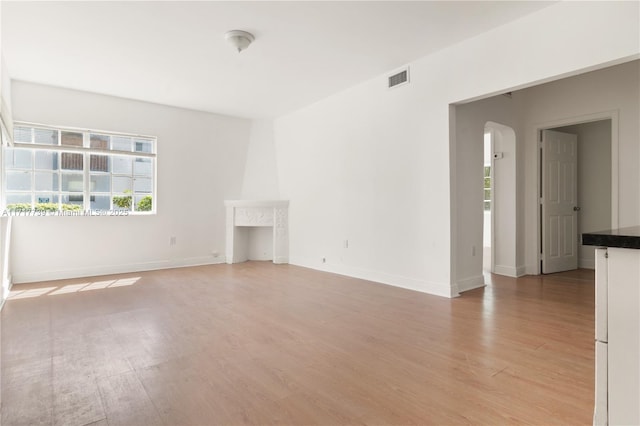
(502, 214)
(575, 201)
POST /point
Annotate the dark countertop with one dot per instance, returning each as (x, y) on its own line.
(622, 237)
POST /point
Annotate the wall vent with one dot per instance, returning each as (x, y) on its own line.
(399, 78)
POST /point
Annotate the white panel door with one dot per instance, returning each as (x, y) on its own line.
(559, 201)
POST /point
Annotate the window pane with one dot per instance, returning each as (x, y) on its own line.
(100, 202)
(22, 134)
(71, 161)
(144, 203)
(46, 198)
(122, 165)
(487, 205)
(15, 198)
(17, 158)
(99, 141)
(18, 181)
(487, 171)
(142, 167)
(72, 182)
(72, 199)
(71, 139)
(120, 143)
(46, 181)
(46, 160)
(46, 136)
(122, 202)
(99, 163)
(100, 183)
(487, 194)
(143, 145)
(122, 184)
(142, 185)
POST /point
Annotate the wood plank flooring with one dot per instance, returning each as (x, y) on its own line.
(257, 343)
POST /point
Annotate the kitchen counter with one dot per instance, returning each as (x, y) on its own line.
(621, 238)
(617, 331)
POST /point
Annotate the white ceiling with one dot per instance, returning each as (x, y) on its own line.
(174, 53)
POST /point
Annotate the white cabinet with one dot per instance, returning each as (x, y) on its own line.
(624, 336)
(617, 336)
(600, 413)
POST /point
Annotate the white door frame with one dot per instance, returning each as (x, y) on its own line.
(570, 121)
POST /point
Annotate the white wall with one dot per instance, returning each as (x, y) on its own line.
(2, 291)
(373, 166)
(5, 97)
(261, 179)
(594, 182)
(5, 222)
(612, 91)
(201, 160)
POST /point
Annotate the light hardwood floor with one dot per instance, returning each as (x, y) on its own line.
(257, 343)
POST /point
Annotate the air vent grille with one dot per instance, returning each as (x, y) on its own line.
(399, 78)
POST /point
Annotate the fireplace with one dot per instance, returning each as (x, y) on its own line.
(245, 215)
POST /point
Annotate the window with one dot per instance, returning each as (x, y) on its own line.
(55, 169)
(487, 188)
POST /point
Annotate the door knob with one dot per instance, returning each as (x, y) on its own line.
(576, 209)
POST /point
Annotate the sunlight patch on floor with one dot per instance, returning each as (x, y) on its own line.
(71, 288)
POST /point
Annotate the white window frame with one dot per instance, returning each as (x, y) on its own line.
(86, 151)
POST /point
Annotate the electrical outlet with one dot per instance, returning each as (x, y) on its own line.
(345, 244)
(172, 241)
(215, 254)
(324, 260)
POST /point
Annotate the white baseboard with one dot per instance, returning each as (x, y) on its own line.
(467, 284)
(510, 271)
(29, 277)
(438, 289)
(587, 263)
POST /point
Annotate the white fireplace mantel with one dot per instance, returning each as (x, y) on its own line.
(244, 214)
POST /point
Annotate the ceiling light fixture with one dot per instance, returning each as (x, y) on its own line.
(239, 39)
